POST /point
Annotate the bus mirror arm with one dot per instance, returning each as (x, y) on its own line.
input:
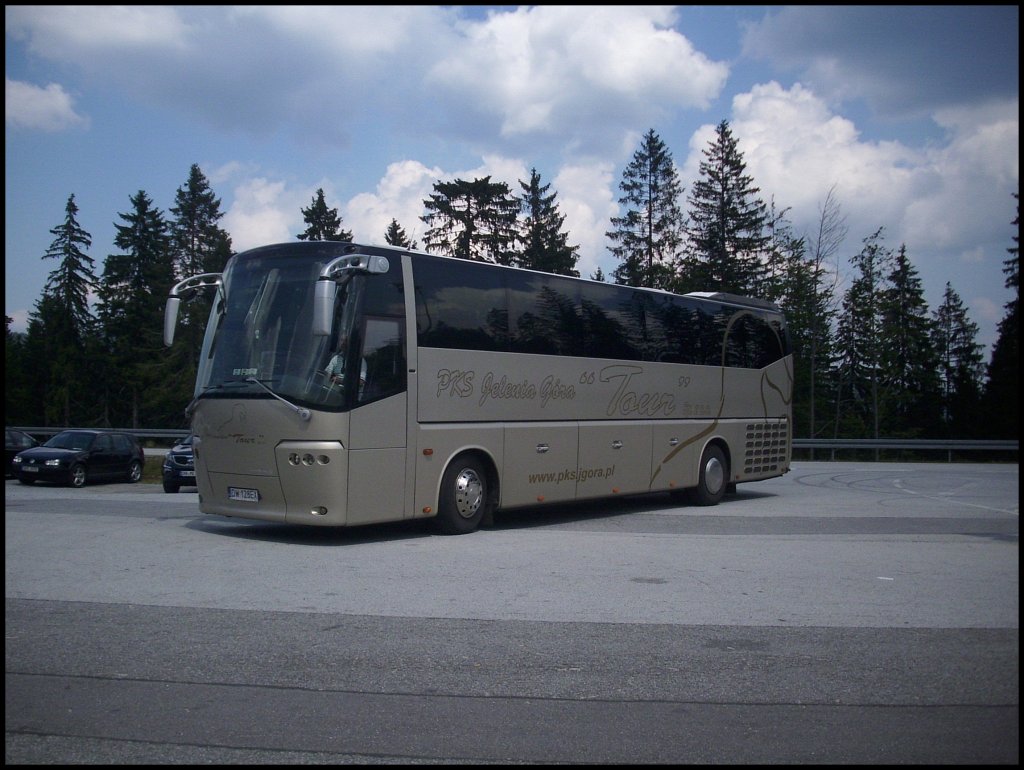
(185, 289)
(338, 270)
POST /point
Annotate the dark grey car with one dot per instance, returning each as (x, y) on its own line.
(179, 466)
(15, 441)
(75, 456)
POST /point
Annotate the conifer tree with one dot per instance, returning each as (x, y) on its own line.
(779, 246)
(132, 293)
(819, 294)
(545, 245)
(726, 231)
(197, 241)
(961, 369)
(808, 315)
(860, 343)
(396, 236)
(198, 245)
(1002, 392)
(62, 329)
(648, 237)
(71, 282)
(472, 220)
(322, 223)
(18, 378)
(909, 375)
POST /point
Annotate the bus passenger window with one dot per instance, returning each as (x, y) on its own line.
(383, 361)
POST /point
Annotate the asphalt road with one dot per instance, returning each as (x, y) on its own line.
(846, 613)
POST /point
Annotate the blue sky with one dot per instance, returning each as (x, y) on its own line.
(909, 114)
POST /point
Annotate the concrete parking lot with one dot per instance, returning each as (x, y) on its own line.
(845, 613)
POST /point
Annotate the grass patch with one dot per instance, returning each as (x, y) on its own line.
(153, 470)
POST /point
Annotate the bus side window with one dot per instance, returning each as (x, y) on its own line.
(383, 361)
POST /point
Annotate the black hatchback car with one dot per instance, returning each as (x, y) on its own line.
(179, 466)
(76, 456)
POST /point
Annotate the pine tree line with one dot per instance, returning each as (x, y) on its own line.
(870, 362)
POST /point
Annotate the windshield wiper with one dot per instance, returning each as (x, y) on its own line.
(304, 413)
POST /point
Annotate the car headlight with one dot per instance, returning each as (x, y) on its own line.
(16, 461)
(52, 463)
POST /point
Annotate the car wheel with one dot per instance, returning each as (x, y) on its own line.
(713, 478)
(76, 476)
(170, 487)
(134, 471)
(464, 497)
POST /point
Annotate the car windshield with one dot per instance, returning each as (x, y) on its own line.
(71, 439)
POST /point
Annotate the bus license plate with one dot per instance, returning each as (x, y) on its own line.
(244, 495)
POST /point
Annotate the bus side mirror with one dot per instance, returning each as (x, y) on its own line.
(170, 319)
(323, 307)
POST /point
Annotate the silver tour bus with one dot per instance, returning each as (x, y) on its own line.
(342, 384)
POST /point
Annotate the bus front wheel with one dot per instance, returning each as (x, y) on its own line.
(713, 479)
(464, 497)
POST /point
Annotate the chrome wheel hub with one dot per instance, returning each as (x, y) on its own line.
(469, 493)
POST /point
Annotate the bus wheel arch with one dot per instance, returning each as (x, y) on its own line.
(713, 475)
(468, 494)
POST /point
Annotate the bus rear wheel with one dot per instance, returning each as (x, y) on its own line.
(464, 497)
(713, 479)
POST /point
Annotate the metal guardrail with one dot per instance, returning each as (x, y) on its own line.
(949, 446)
(1006, 445)
(945, 445)
(170, 435)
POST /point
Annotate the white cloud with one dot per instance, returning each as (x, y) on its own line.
(19, 320)
(262, 212)
(48, 109)
(546, 68)
(796, 149)
(938, 200)
(574, 77)
(974, 174)
(987, 310)
(75, 32)
(399, 195)
(347, 32)
(585, 199)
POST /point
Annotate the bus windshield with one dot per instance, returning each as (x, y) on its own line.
(261, 329)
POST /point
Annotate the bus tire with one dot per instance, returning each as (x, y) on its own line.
(713, 478)
(464, 497)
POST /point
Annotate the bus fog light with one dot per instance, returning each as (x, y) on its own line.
(323, 459)
(319, 510)
(307, 459)
(293, 459)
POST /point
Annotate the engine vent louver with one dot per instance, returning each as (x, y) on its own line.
(766, 447)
